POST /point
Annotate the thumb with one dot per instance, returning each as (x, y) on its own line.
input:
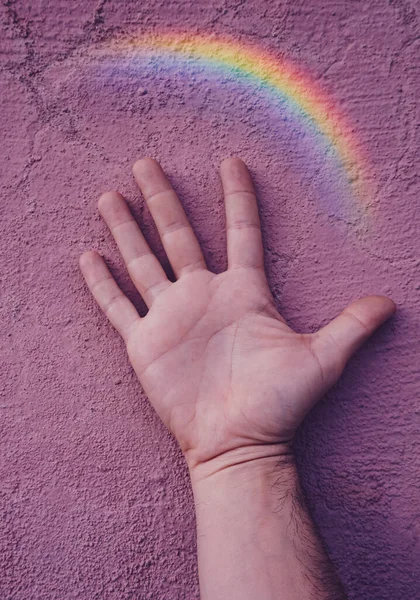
(335, 343)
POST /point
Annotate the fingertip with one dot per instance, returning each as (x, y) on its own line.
(235, 176)
(143, 166)
(150, 177)
(87, 259)
(371, 312)
(388, 304)
(382, 306)
(107, 200)
(232, 164)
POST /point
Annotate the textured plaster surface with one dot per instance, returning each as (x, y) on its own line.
(95, 499)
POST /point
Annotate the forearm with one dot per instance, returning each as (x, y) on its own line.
(255, 537)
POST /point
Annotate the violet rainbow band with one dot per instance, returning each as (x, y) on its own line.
(259, 67)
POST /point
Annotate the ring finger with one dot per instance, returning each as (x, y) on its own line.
(144, 268)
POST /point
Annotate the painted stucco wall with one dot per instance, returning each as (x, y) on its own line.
(95, 499)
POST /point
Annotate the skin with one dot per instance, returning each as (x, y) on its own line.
(232, 381)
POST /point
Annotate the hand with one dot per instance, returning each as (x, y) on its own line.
(219, 364)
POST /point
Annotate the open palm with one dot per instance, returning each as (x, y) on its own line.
(219, 364)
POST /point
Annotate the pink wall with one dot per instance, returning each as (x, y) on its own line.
(95, 499)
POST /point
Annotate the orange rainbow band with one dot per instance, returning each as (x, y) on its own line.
(279, 76)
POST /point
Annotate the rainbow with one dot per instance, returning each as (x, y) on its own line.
(279, 76)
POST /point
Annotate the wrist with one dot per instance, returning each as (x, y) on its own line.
(248, 494)
(254, 531)
(245, 463)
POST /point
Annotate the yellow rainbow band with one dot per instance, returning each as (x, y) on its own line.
(279, 75)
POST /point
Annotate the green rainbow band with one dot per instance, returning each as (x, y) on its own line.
(276, 74)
